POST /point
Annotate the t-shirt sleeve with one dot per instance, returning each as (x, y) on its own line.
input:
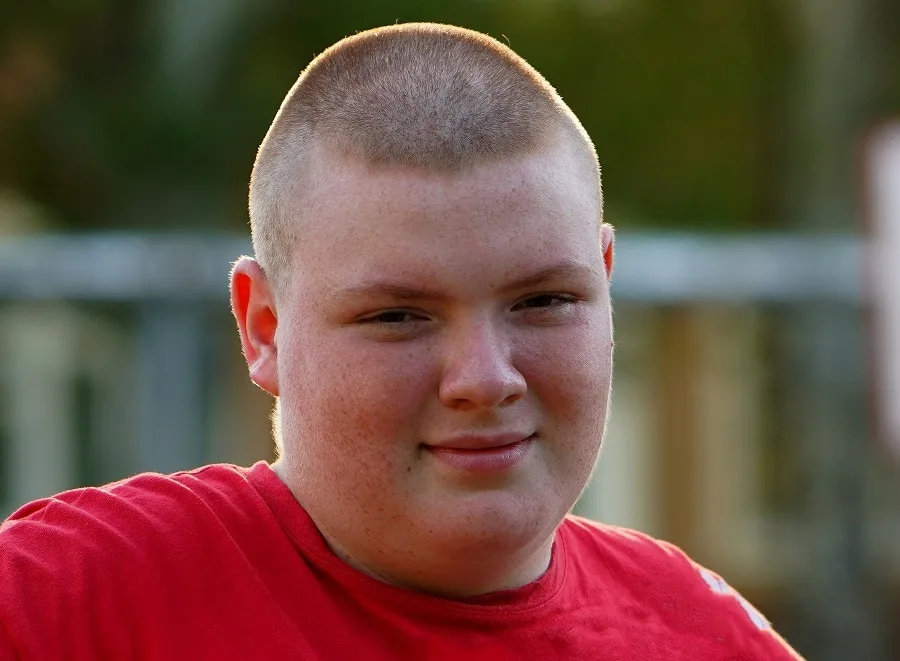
(55, 577)
(704, 618)
(29, 589)
(751, 630)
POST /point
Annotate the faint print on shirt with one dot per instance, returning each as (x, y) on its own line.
(719, 586)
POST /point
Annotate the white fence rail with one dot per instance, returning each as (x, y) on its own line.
(654, 268)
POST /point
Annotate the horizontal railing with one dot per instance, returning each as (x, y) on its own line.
(650, 267)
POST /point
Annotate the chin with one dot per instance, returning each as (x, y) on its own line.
(495, 520)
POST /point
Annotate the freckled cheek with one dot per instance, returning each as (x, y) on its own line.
(382, 388)
(568, 374)
(570, 384)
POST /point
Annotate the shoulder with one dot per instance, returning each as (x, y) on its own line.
(629, 553)
(656, 568)
(658, 577)
(123, 512)
(107, 545)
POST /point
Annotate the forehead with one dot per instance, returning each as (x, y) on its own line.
(490, 219)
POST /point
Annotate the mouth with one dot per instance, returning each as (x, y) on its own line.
(482, 455)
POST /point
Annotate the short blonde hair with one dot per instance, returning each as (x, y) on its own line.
(416, 95)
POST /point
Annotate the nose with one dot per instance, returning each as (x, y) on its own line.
(479, 373)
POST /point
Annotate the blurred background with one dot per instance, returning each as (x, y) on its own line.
(750, 165)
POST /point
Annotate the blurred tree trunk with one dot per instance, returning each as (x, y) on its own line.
(840, 58)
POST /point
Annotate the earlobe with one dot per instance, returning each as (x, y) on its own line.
(607, 243)
(253, 306)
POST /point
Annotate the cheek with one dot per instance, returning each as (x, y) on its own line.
(570, 382)
(366, 389)
(571, 374)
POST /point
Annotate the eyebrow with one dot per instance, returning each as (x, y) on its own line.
(564, 270)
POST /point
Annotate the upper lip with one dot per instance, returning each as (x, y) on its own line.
(481, 441)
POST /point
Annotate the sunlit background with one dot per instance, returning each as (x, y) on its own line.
(750, 166)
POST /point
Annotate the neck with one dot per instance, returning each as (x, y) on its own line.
(454, 574)
(454, 569)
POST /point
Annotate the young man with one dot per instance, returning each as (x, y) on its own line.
(430, 306)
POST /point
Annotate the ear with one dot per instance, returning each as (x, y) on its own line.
(253, 306)
(607, 241)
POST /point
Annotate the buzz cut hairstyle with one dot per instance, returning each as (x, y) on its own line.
(414, 95)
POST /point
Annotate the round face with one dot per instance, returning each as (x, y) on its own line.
(444, 355)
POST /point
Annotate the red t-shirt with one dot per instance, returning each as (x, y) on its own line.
(222, 563)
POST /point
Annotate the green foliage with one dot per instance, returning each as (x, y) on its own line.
(99, 126)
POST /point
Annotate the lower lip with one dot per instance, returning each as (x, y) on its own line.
(488, 460)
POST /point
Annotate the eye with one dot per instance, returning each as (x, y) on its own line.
(540, 301)
(391, 318)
